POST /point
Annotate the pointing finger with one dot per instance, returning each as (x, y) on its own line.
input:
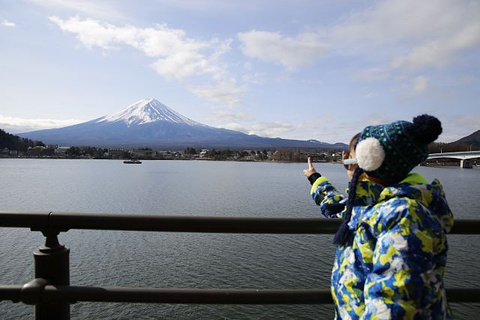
(310, 165)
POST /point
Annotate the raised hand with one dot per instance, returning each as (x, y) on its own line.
(311, 170)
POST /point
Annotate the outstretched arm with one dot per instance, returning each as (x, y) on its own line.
(324, 194)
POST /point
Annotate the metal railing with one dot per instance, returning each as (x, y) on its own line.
(51, 293)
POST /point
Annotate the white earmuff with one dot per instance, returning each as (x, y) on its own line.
(369, 154)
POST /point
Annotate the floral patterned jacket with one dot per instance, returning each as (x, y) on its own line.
(392, 268)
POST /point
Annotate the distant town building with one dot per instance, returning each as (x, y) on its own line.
(116, 153)
(60, 151)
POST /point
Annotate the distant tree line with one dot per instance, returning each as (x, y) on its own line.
(12, 142)
(95, 152)
(289, 155)
(438, 147)
(227, 154)
(191, 151)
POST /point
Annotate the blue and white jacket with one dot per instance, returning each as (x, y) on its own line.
(393, 266)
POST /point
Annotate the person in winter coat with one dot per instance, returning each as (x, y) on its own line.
(391, 247)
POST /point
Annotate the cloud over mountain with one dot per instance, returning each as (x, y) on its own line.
(176, 55)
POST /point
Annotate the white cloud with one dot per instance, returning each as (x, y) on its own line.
(291, 52)
(331, 128)
(230, 117)
(254, 78)
(158, 42)
(328, 128)
(91, 8)
(178, 57)
(17, 125)
(439, 53)
(412, 87)
(420, 84)
(390, 21)
(8, 24)
(248, 66)
(456, 127)
(264, 129)
(92, 33)
(184, 65)
(402, 42)
(413, 35)
(225, 94)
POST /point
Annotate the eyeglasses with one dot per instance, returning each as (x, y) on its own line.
(348, 162)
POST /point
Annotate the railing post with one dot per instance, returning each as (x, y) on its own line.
(52, 263)
(466, 164)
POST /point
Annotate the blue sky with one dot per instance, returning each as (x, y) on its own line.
(292, 69)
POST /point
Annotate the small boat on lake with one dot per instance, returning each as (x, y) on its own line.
(132, 161)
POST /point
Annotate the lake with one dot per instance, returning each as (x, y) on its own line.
(188, 260)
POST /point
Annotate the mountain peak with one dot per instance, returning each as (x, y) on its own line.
(146, 111)
(148, 122)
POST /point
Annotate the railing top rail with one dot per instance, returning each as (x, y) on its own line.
(64, 221)
(74, 294)
(454, 153)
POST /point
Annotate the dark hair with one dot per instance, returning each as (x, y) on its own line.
(343, 233)
(353, 142)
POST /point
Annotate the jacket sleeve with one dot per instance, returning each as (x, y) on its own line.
(331, 202)
(404, 279)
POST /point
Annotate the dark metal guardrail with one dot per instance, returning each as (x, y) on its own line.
(51, 293)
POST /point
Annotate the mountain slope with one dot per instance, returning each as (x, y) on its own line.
(150, 123)
(473, 139)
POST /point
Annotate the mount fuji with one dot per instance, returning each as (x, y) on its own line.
(150, 123)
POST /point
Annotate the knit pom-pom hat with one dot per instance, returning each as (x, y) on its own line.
(389, 152)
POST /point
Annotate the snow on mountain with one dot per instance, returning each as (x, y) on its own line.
(146, 111)
(316, 141)
(150, 123)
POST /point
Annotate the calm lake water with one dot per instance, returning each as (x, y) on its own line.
(176, 260)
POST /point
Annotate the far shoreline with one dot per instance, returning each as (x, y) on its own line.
(431, 165)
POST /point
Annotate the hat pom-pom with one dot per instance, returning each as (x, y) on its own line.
(426, 128)
(370, 154)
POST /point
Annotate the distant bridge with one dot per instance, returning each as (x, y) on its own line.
(465, 157)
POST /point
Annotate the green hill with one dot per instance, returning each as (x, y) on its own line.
(12, 142)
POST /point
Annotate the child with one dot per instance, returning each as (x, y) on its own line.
(391, 247)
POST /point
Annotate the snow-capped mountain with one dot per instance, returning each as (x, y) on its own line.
(150, 123)
(146, 111)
